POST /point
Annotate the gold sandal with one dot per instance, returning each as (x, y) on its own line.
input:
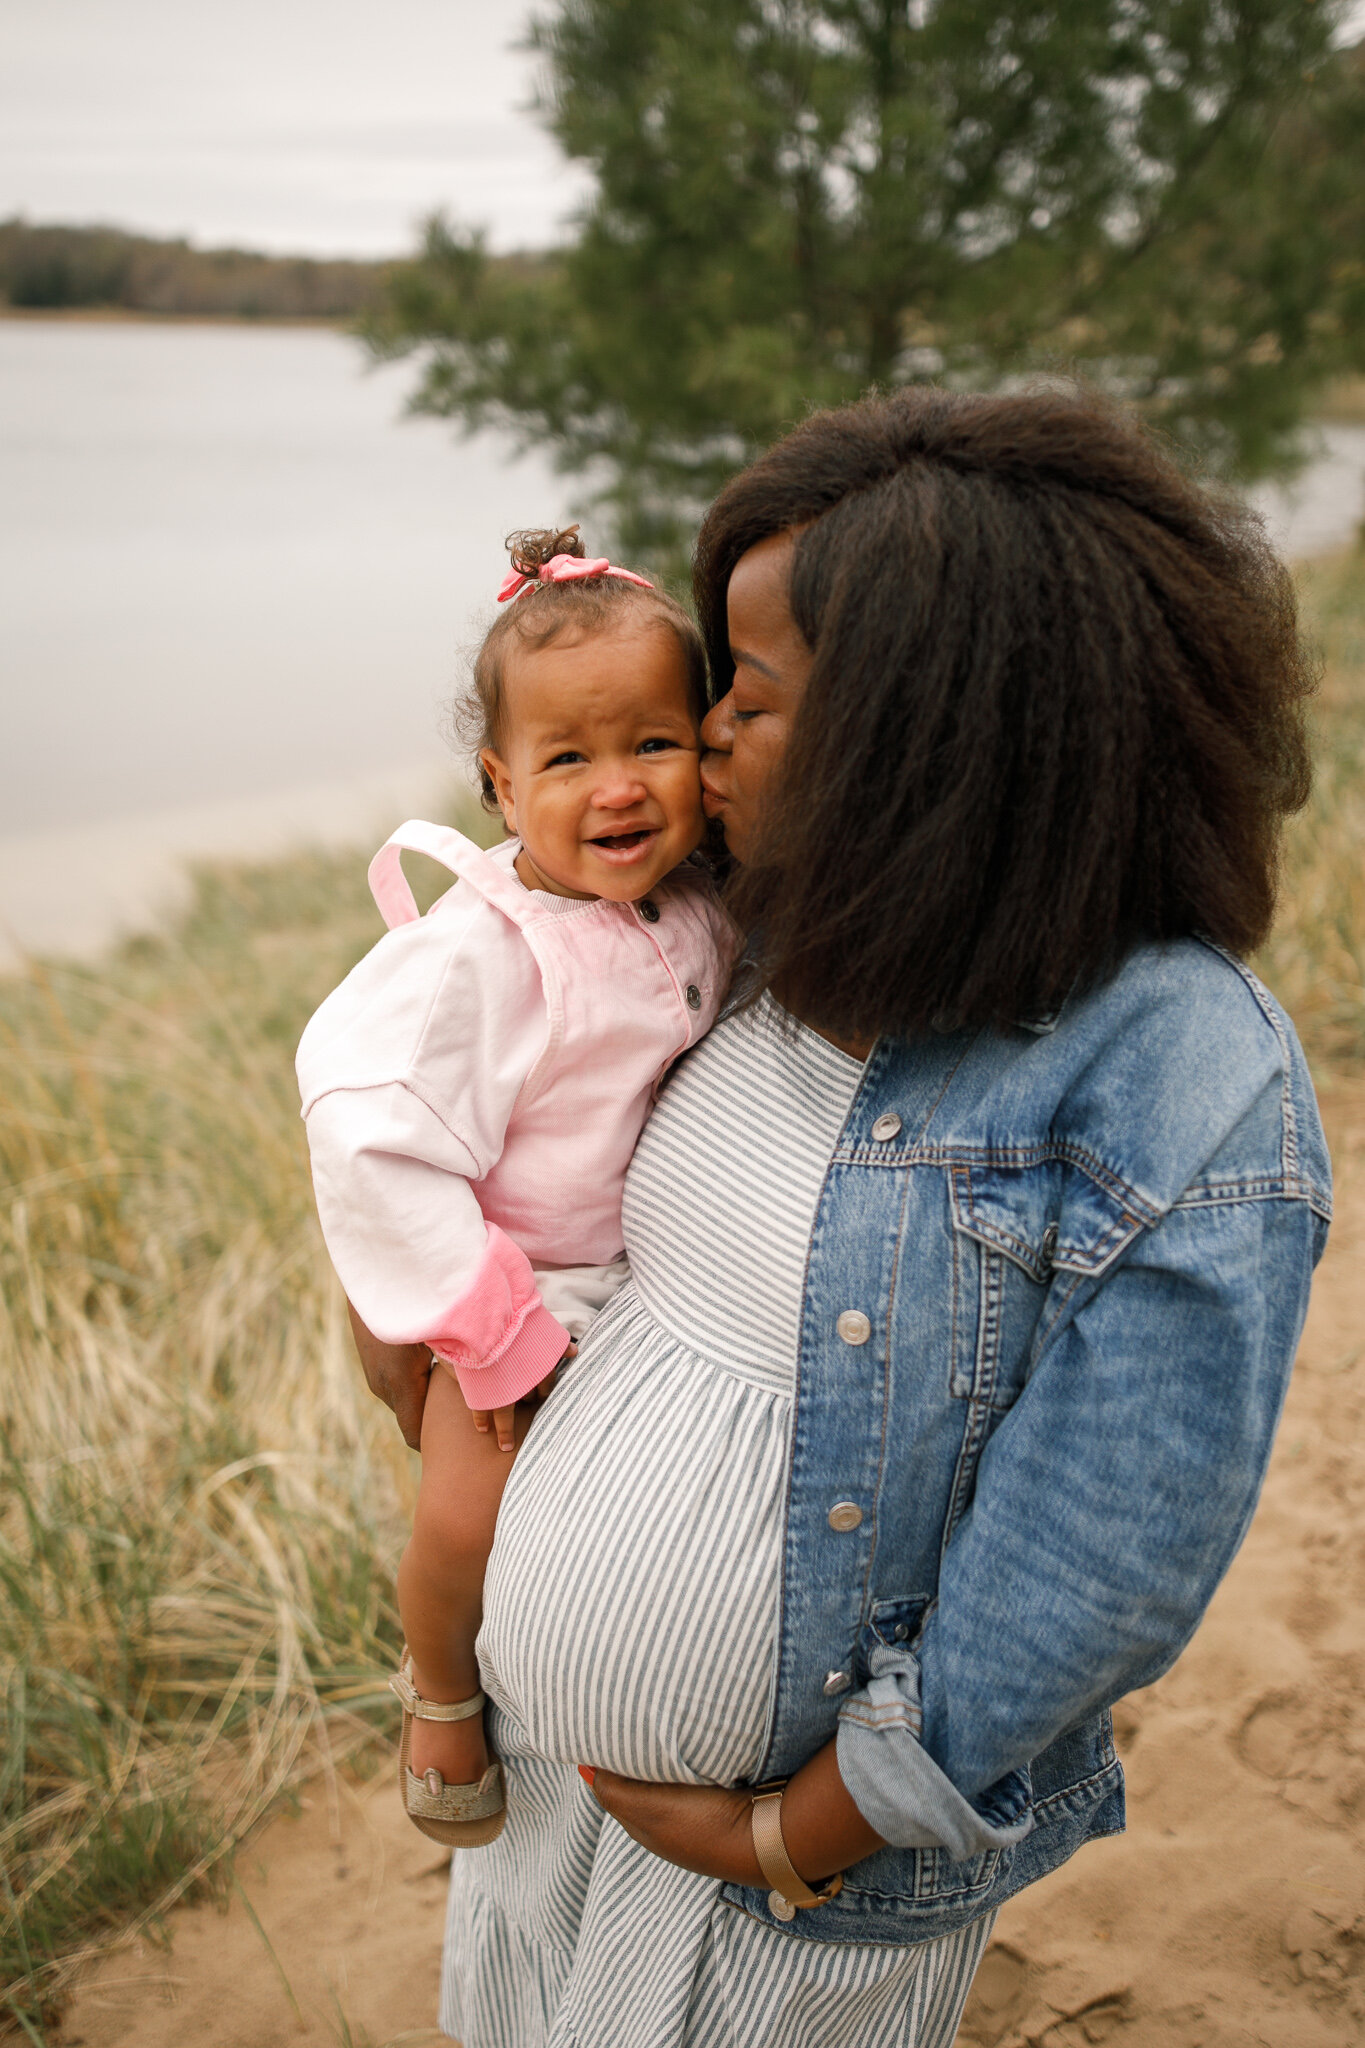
(461, 1816)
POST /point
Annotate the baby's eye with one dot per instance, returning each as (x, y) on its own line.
(563, 760)
(657, 746)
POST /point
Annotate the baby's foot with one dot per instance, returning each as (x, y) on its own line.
(456, 1749)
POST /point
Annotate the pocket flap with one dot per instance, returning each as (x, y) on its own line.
(1049, 1213)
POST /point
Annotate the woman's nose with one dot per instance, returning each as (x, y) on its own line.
(718, 726)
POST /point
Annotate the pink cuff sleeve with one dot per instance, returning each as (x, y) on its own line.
(534, 1352)
(499, 1338)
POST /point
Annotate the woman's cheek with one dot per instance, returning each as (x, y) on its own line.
(686, 793)
(756, 756)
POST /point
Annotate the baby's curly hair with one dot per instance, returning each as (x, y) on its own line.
(539, 615)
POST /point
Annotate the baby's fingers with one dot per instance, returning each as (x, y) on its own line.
(504, 1422)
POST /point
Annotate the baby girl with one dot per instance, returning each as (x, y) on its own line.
(474, 1089)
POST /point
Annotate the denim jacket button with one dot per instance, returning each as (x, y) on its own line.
(649, 911)
(835, 1683)
(845, 1515)
(853, 1326)
(887, 1126)
(780, 1908)
(1050, 1244)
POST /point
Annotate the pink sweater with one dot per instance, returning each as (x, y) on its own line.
(474, 1089)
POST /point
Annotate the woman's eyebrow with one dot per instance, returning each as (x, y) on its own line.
(738, 656)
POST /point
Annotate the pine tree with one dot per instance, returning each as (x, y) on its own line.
(796, 202)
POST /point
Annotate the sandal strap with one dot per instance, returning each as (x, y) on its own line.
(432, 1710)
(454, 1802)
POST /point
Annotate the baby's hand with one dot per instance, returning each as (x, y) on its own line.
(502, 1419)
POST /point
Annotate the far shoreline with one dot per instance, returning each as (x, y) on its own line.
(1343, 402)
(146, 316)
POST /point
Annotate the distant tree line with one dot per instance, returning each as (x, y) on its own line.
(57, 268)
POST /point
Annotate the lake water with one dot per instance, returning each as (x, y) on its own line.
(234, 589)
(228, 565)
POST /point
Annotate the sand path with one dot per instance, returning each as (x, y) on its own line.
(1232, 1915)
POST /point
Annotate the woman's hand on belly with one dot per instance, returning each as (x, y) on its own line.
(709, 1828)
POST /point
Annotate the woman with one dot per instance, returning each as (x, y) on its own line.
(970, 1252)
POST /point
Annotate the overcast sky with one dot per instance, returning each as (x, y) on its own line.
(312, 125)
(315, 125)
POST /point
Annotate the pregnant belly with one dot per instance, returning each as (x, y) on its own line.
(630, 1606)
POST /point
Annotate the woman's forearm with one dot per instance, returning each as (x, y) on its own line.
(709, 1828)
(822, 1828)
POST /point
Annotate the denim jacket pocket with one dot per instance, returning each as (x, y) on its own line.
(1028, 1230)
(1020, 1231)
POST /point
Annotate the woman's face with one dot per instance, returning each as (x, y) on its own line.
(746, 733)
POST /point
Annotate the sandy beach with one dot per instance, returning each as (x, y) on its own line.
(1232, 1915)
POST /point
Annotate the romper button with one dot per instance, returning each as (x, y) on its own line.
(649, 911)
(845, 1515)
(780, 1908)
(693, 992)
(853, 1326)
(835, 1683)
(886, 1127)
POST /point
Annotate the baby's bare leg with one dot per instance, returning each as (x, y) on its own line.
(440, 1580)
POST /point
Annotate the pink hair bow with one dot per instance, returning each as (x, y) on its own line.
(567, 569)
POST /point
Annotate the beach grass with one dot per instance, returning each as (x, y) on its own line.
(1315, 958)
(201, 1507)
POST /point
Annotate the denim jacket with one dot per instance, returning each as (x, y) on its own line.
(1055, 1285)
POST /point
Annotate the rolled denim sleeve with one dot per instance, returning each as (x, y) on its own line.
(1109, 1502)
(894, 1782)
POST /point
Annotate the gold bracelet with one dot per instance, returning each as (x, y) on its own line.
(790, 1893)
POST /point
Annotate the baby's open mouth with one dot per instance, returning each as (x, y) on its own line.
(625, 849)
(623, 842)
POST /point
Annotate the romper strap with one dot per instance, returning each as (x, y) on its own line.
(389, 885)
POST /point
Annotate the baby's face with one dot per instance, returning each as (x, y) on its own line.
(599, 769)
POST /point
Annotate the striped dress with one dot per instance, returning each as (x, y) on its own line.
(631, 1610)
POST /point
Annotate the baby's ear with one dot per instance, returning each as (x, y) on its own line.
(495, 768)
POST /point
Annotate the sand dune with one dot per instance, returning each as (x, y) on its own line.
(1232, 1915)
